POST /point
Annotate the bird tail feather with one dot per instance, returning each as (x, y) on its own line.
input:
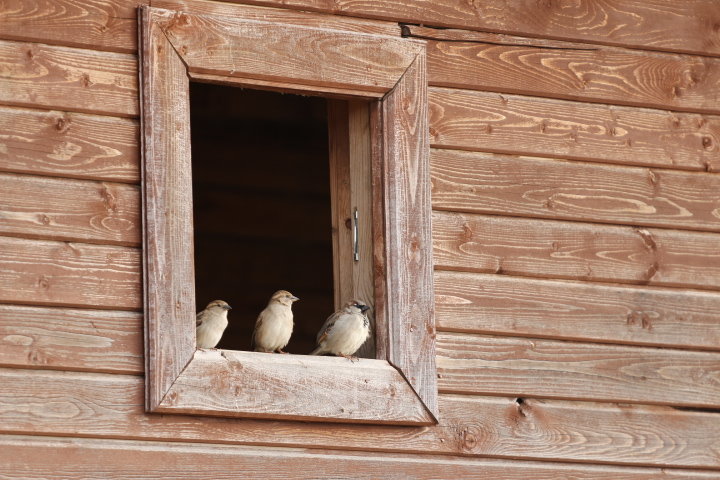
(317, 351)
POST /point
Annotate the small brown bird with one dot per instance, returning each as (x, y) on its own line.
(345, 331)
(274, 325)
(211, 323)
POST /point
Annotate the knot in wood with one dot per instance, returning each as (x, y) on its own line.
(108, 199)
(43, 282)
(36, 358)
(85, 80)
(180, 19)
(62, 124)
(171, 398)
(468, 440)
(707, 143)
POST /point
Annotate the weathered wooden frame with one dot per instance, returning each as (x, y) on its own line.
(400, 386)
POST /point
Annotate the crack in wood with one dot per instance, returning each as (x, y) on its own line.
(406, 32)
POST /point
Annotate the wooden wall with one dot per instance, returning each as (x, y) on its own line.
(576, 231)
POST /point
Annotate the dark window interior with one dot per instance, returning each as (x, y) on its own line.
(261, 201)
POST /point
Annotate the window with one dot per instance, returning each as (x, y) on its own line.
(375, 89)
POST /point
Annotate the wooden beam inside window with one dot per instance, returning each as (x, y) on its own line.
(351, 192)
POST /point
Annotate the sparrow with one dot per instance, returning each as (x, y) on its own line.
(210, 324)
(344, 332)
(274, 325)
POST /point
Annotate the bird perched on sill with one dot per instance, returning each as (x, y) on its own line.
(211, 323)
(274, 325)
(345, 331)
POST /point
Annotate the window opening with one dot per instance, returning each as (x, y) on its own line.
(261, 207)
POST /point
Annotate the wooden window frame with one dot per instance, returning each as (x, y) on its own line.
(389, 73)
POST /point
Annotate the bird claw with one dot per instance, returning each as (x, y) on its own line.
(280, 350)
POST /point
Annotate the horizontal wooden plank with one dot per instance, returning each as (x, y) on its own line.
(96, 405)
(498, 304)
(122, 459)
(111, 25)
(71, 339)
(97, 24)
(468, 120)
(248, 384)
(70, 210)
(547, 188)
(70, 79)
(296, 54)
(688, 26)
(594, 74)
(280, 15)
(67, 144)
(572, 250)
(587, 371)
(69, 274)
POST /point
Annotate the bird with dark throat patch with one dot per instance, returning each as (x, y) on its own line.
(345, 331)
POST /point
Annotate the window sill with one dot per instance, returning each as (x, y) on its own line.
(294, 387)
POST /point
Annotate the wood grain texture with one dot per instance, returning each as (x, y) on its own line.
(294, 54)
(377, 151)
(604, 75)
(168, 213)
(351, 189)
(70, 210)
(590, 252)
(544, 188)
(554, 369)
(340, 201)
(689, 26)
(69, 79)
(122, 459)
(250, 384)
(111, 24)
(71, 339)
(408, 233)
(69, 274)
(280, 15)
(97, 24)
(497, 304)
(360, 149)
(111, 406)
(67, 144)
(467, 120)
(338, 93)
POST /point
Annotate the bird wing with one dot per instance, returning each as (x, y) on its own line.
(258, 322)
(199, 318)
(327, 326)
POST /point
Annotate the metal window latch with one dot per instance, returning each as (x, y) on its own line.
(356, 237)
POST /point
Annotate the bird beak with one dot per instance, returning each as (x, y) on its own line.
(227, 307)
(294, 299)
(364, 308)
